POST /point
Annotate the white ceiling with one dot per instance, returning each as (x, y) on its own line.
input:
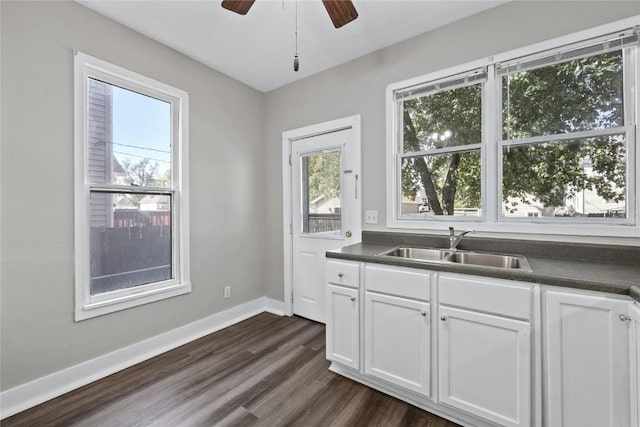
(258, 48)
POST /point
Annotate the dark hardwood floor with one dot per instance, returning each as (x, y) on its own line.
(265, 371)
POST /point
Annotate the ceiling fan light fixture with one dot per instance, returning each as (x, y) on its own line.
(341, 13)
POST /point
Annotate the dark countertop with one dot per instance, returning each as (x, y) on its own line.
(557, 269)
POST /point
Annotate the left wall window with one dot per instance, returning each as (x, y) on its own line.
(131, 189)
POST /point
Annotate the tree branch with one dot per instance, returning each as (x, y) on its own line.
(411, 137)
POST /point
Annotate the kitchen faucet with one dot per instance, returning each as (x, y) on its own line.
(455, 240)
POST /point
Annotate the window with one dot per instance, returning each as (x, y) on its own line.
(131, 189)
(563, 142)
(321, 198)
(439, 152)
(539, 137)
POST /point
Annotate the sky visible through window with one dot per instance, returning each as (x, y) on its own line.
(141, 128)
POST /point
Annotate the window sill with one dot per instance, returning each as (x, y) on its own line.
(87, 311)
(540, 227)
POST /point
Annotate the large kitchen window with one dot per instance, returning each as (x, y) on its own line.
(439, 151)
(542, 139)
(131, 189)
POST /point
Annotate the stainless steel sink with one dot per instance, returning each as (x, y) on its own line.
(417, 253)
(488, 260)
(447, 256)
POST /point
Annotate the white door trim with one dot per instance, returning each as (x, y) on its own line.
(352, 122)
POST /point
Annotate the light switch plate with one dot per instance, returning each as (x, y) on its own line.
(371, 217)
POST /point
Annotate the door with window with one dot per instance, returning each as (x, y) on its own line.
(325, 211)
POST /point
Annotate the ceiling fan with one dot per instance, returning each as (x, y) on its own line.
(341, 12)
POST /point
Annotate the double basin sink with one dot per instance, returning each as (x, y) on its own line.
(451, 256)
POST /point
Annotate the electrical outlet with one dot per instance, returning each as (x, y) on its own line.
(371, 217)
(227, 292)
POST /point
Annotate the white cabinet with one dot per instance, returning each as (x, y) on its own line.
(343, 326)
(397, 341)
(586, 360)
(397, 327)
(343, 313)
(635, 363)
(486, 351)
(485, 365)
(484, 360)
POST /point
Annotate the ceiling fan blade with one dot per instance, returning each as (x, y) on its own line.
(238, 6)
(341, 12)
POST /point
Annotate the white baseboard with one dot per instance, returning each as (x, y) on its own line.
(42, 389)
(276, 307)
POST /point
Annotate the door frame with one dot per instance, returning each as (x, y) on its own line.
(351, 122)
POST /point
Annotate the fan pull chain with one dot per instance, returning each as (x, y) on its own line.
(296, 62)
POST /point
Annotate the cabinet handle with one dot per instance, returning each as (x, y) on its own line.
(423, 313)
(340, 275)
(624, 318)
(353, 298)
(443, 318)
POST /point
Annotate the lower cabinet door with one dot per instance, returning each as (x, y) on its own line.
(343, 326)
(397, 341)
(485, 365)
(587, 361)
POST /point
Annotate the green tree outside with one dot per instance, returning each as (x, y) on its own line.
(579, 95)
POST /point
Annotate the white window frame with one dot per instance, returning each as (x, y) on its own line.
(86, 305)
(473, 75)
(491, 219)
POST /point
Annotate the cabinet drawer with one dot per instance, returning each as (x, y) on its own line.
(488, 295)
(343, 273)
(397, 281)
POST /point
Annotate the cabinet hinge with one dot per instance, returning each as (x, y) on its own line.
(290, 228)
(290, 159)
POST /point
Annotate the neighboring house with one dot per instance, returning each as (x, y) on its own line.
(103, 166)
(100, 152)
(124, 203)
(514, 207)
(410, 206)
(323, 205)
(589, 203)
(585, 203)
(154, 202)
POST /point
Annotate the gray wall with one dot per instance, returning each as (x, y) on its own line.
(228, 126)
(358, 87)
(39, 335)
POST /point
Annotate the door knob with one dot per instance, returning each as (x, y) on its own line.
(348, 233)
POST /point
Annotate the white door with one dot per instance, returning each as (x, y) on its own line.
(485, 365)
(587, 361)
(343, 326)
(397, 339)
(325, 211)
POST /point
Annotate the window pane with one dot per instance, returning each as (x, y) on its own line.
(129, 137)
(579, 95)
(130, 241)
(444, 119)
(321, 201)
(576, 178)
(447, 184)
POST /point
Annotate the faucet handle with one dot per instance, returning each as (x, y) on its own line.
(451, 232)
